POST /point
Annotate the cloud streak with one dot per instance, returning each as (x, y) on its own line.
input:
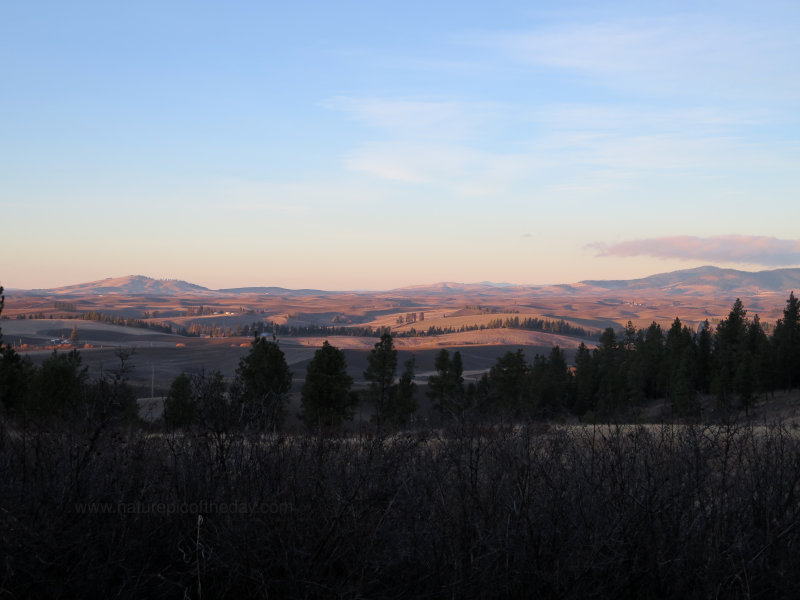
(664, 54)
(757, 250)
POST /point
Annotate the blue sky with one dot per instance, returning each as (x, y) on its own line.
(378, 144)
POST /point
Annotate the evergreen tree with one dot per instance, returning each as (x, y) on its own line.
(704, 344)
(446, 387)
(405, 403)
(611, 379)
(509, 383)
(380, 373)
(729, 347)
(652, 351)
(16, 373)
(265, 381)
(59, 388)
(678, 365)
(786, 341)
(584, 382)
(113, 396)
(683, 392)
(179, 409)
(629, 337)
(326, 397)
(214, 412)
(551, 377)
(761, 372)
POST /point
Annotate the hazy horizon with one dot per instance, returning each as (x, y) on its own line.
(363, 146)
(420, 284)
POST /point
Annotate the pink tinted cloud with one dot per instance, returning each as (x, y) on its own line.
(758, 250)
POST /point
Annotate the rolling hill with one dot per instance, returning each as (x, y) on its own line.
(132, 285)
(707, 279)
(701, 280)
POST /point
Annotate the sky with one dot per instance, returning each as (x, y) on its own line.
(373, 145)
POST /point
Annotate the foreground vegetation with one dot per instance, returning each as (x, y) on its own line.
(674, 511)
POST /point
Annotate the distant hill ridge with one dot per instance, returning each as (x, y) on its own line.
(132, 285)
(687, 281)
(724, 280)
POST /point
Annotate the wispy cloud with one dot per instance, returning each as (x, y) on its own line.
(757, 250)
(453, 144)
(665, 54)
(737, 83)
(467, 170)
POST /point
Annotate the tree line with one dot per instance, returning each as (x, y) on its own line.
(259, 393)
(734, 362)
(558, 326)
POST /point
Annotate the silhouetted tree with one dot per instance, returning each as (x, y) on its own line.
(703, 371)
(179, 408)
(652, 351)
(446, 387)
(113, 397)
(509, 383)
(326, 397)
(758, 367)
(678, 364)
(404, 403)
(215, 413)
(584, 382)
(729, 348)
(16, 373)
(265, 381)
(786, 341)
(380, 373)
(611, 381)
(60, 386)
(550, 380)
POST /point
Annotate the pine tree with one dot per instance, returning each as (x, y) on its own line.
(326, 398)
(678, 353)
(729, 347)
(59, 388)
(16, 373)
(555, 383)
(179, 410)
(611, 378)
(446, 387)
(405, 403)
(584, 381)
(787, 345)
(683, 392)
(509, 383)
(652, 350)
(265, 381)
(757, 346)
(703, 372)
(380, 373)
